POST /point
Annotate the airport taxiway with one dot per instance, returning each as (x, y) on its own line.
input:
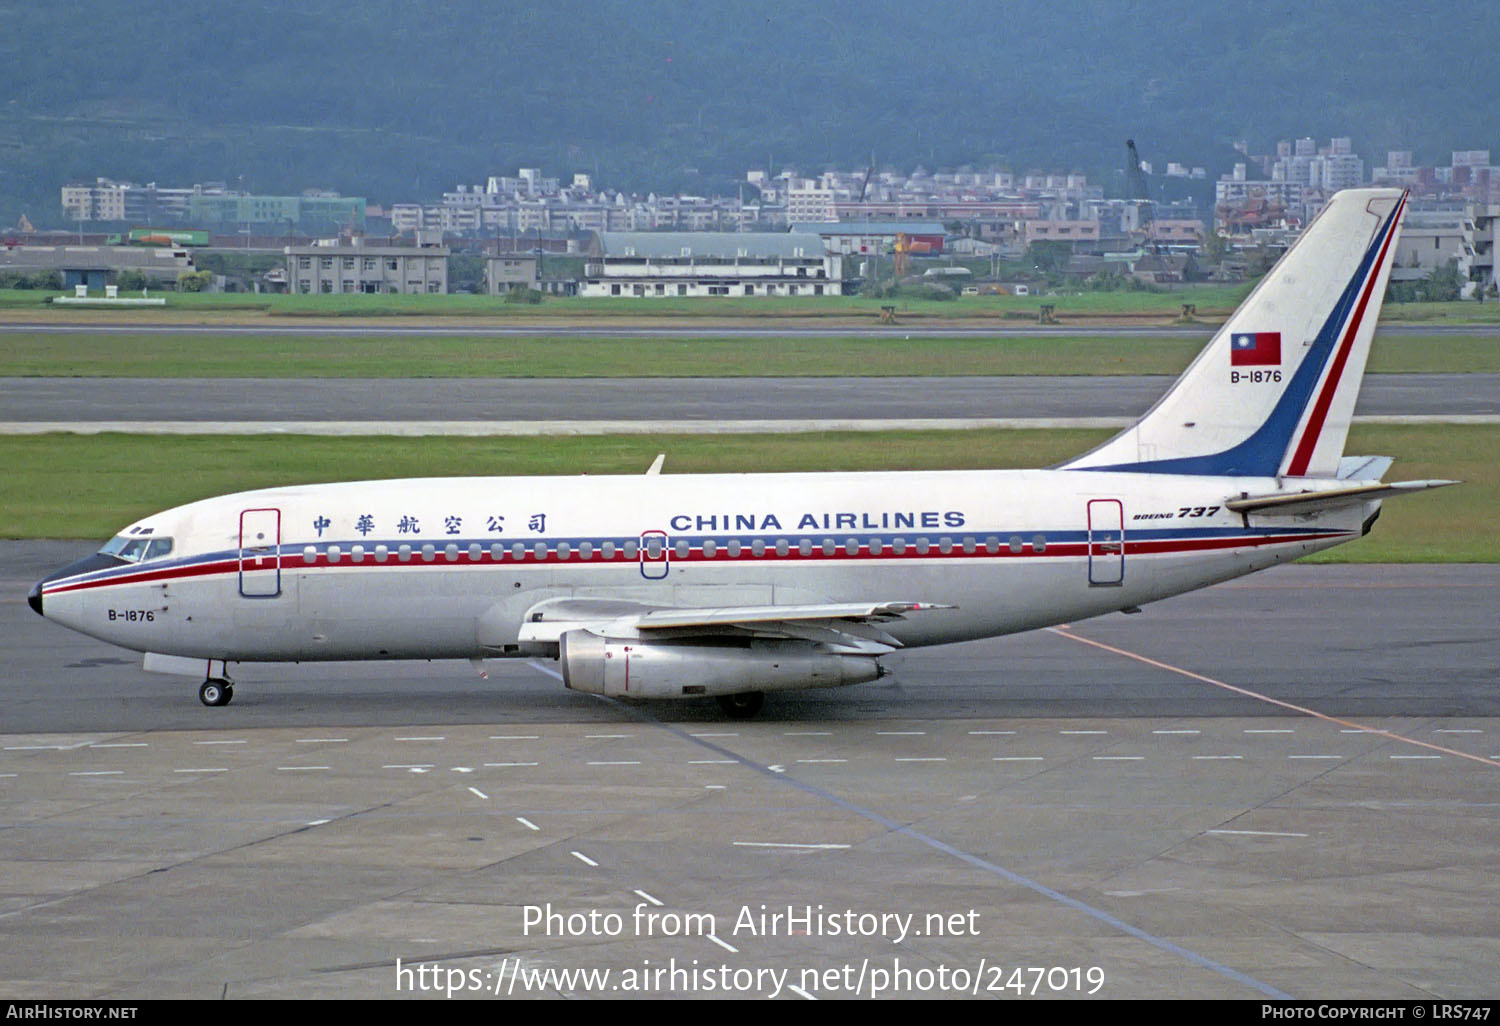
(283, 401)
(1294, 796)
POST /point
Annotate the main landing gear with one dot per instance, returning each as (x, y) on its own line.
(216, 691)
(743, 705)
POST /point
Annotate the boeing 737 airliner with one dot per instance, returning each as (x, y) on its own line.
(731, 585)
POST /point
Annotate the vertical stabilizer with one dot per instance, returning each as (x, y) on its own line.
(1273, 392)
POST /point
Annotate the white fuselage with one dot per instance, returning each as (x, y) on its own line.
(448, 568)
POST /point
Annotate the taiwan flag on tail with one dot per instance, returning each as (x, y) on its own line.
(1255, 349)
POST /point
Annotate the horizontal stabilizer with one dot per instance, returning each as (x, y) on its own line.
(1309, 500)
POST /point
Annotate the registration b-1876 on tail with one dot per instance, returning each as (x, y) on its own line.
(732, 585)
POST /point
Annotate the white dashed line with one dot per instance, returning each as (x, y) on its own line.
(421, 739)
(787, 844)
(731, 734)
(726, 946)
(1212, 758)
(322, 740)
(1177, 732)
(900, 733)
(513, 737)
(96, 773)
(238, 742)
(1118, 758)
(1314, 756)
(1416, 757)
(1083, 732)
(507, 765)
(807, 733)
(623, 762)
(822, 760)
(409, 765)
(477, 792)
(122, 744)
(991, 733)
(1279, 730)
(930, 758)
(581, 857)
(1456, 730)
(1253, 833)
(204, 769)
(528, 824)
(605, 737)
(1017, 758)
(649, 898)
(300, 769)
(712, 762)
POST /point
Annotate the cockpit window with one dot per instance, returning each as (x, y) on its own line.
(137, 550)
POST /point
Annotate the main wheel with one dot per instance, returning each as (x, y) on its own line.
(743, 705)
(215, 692)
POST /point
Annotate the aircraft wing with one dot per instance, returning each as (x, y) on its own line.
(845, 626)
(1309, 501)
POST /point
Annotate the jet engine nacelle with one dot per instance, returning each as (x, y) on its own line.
(666, 669)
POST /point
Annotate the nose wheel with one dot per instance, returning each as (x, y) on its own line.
(216, 691)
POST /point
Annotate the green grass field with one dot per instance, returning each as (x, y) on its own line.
(144, 354)
(69, 486)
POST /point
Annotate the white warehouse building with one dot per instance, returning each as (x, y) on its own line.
(648, 264)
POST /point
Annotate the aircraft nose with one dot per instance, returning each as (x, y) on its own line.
(34, 598)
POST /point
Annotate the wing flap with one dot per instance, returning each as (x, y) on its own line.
(853, 626)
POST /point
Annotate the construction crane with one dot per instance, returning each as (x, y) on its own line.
(1135, 187)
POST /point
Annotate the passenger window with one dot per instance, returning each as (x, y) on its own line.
(783, 547)
(357, 554)
(876, 546)
(684, 548)
(898, 546)
(734, 548)
(653, 547)
(1016, 544)
(404, 553)
(539, 550)
(992, 544)
(497, 552)
(518, 551)
(476, 552)
(334, 552)
(709, 548)
(830, 547)
(970, 546)
(631, 549)
(758, 548)
(607, 550)
(563, 550)
(428, 553)
(851, 546)
(451, 553)
(381, 553)
(945, 545)
(585, 550)
(922, 546)
(310, 554)
(804, 547)
(1039, 542)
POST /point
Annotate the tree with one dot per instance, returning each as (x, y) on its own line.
(131, 280)
(1048, 256)
(194, 281)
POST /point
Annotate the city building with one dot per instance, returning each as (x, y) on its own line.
(649, 264)
(866, 237)
(354, 265)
